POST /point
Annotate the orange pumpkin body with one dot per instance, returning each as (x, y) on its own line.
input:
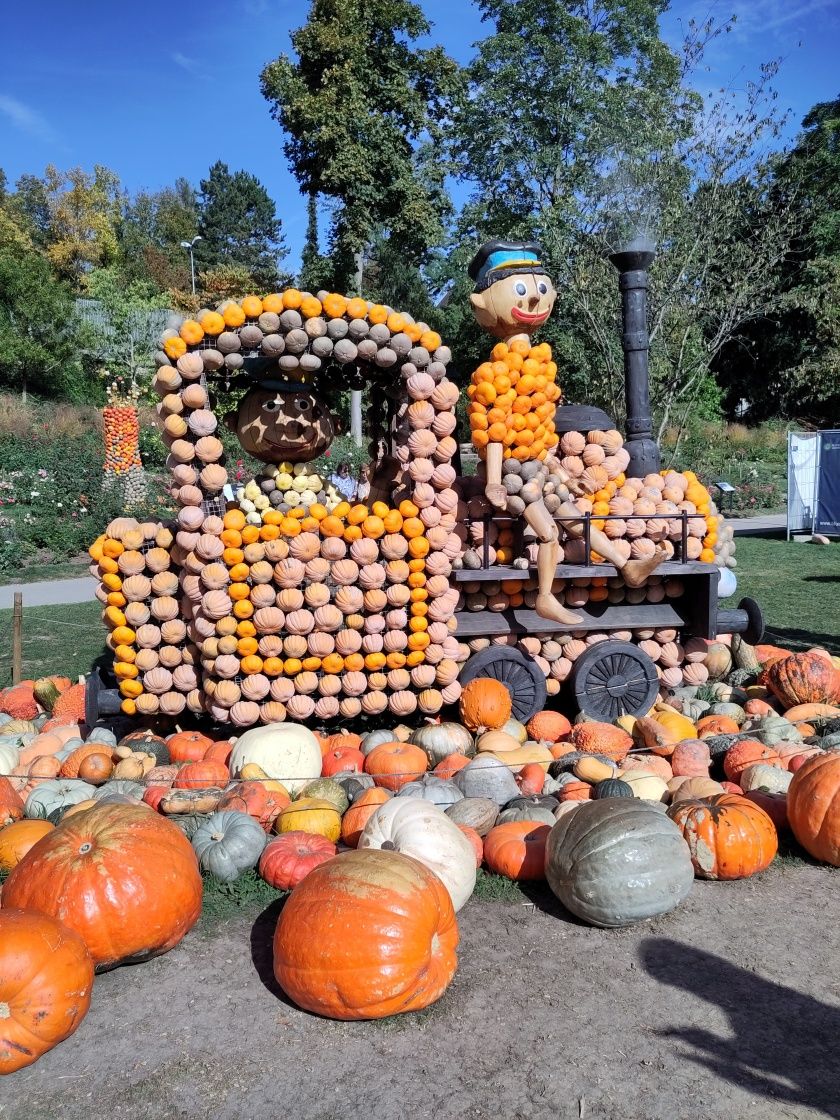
(804, 678)
(17, 838)
(517, 850)
(365, 936)
(448, 767)
(219, 752)
(263, 801)
(393, 765)
(813, 805)
(729, 837)
(747, 753)
(548, 727)
(531, 779)
(709, 726)
(46, 977)
(11, 805)
(485, 702)
(341, 760)
(123, 877)
(601, 738)
(288, 859)
(476, 841)
(188, 746)
(202, 775)
(70, 766)
(354, 820)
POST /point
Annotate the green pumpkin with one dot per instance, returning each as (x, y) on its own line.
(56, 795)
(150, 743)
(326, 789)
(228, 843)
(188, 822)
(613, 787)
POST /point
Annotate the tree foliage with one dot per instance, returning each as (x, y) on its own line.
(84, 213)
(239, 227)
(151, 231)
(358, 104)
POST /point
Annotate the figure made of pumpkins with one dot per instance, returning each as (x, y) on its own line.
(513, 397)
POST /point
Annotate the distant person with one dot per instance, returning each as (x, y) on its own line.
(363, 488)
(343, 480)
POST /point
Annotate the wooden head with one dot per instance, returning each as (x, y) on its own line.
(514, 295)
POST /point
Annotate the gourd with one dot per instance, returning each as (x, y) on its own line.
(228, 843)
(549, 727)
(602, 739)
(441, 740)
(613, 863)
(813, 805)
(728, 836)
(478, 813)
(288, 859)
(525, 809)
(423, 831)
(286, 752)
(364, 806)
(516, 849)
(395, 764)
(613, 787)
(366, 936)
(804, 678)
(770, 778)
(647, 786)
(327, 789)
(46, 978)
(123, 877)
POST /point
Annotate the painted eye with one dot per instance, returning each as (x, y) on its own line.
(520, 288)
(302, 404)
(272, 406)
(542, 288)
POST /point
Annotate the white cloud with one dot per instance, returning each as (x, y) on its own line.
(191, 65)
(26, 119)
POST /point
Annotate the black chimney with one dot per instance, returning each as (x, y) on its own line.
(632, 262)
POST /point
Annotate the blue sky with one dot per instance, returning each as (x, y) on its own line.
(162, 90)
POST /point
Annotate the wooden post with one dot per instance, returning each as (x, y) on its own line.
(17, 638)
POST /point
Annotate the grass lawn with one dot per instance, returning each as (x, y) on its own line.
(798, 587)
(797, 584)
(42, 573)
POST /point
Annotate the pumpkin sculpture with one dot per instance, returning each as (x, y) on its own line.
(365, 936)
(617, 861)
(729, 837)
(123, 877)
(813, 806)
(46, 977)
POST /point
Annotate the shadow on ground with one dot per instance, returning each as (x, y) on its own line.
(785, 1043)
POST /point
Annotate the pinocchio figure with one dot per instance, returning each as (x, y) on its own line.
(513, 398)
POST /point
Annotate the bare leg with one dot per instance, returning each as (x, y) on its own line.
(635, 572)
(547, 605)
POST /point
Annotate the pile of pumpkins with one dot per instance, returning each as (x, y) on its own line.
(382, 834)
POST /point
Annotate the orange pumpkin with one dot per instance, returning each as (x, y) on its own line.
(262, 800)
(484, 703)
(365, 936)
(123, 877)
(288, 859)
(449, 766)
(70, 766)
(11, 805)
(804, 678)
(517, 850)
(813, 806)
(601, 738)
(202, 775)
(729, 837)
(393, 765)
(188, 746)
(354, 820)
(746, 753)
(548, 727)
(17, 839)
(476, 841)
(46, 977)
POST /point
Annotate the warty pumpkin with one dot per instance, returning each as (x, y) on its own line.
(813, 805)
(729, 837)
(485, 703)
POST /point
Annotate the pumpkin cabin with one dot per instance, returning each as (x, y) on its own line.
(286, 602)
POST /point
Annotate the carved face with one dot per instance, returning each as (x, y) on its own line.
(275, 425)
(517, 304)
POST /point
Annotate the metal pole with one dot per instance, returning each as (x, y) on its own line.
(192, 268)
(17, 638)
(356, 394)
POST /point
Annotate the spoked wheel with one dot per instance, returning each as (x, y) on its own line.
(614, 679)
(101, 697)
(521, 676)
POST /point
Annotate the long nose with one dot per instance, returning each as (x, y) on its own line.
(533, 300)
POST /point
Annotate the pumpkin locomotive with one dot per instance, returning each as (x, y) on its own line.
(549, 568)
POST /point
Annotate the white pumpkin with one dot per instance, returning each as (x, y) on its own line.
(770, 778)
(423, 831)
(286, 752)
(647, 786)
(9, 755)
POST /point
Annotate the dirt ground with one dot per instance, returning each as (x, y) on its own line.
(729, 1007)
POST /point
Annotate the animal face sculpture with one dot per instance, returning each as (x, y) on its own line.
(276, 425)
(513, 293)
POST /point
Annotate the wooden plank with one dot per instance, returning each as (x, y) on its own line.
(479, 624)
(576, 571)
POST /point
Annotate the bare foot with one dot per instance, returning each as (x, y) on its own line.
(548, 607)
(635, 572)
(496, 495)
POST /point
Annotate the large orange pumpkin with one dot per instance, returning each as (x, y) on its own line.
(46, 977)
(813, 806)
(516, 850)
(393, 765)
(188, 746)
(804, 678)
(485, 703)
(367, 935)
(11, 805)
(18, 838)
(729, 837)
(746, 753)
(123, 877)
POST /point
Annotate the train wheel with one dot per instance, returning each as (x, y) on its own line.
(614, 679)
(102, 698)
(521, 676)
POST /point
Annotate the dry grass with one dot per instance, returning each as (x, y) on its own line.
(70, 421)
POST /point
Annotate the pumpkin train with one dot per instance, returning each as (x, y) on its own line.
(282, 601)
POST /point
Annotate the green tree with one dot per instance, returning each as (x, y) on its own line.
(315, 269)
(358, 104)
(788, 362)
(84, 211)
(41, 341)
(151, 231)
(30, 204)
(127, 320)
(239, 227)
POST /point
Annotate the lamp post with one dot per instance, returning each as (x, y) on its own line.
(190, 247)
(633, 259)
